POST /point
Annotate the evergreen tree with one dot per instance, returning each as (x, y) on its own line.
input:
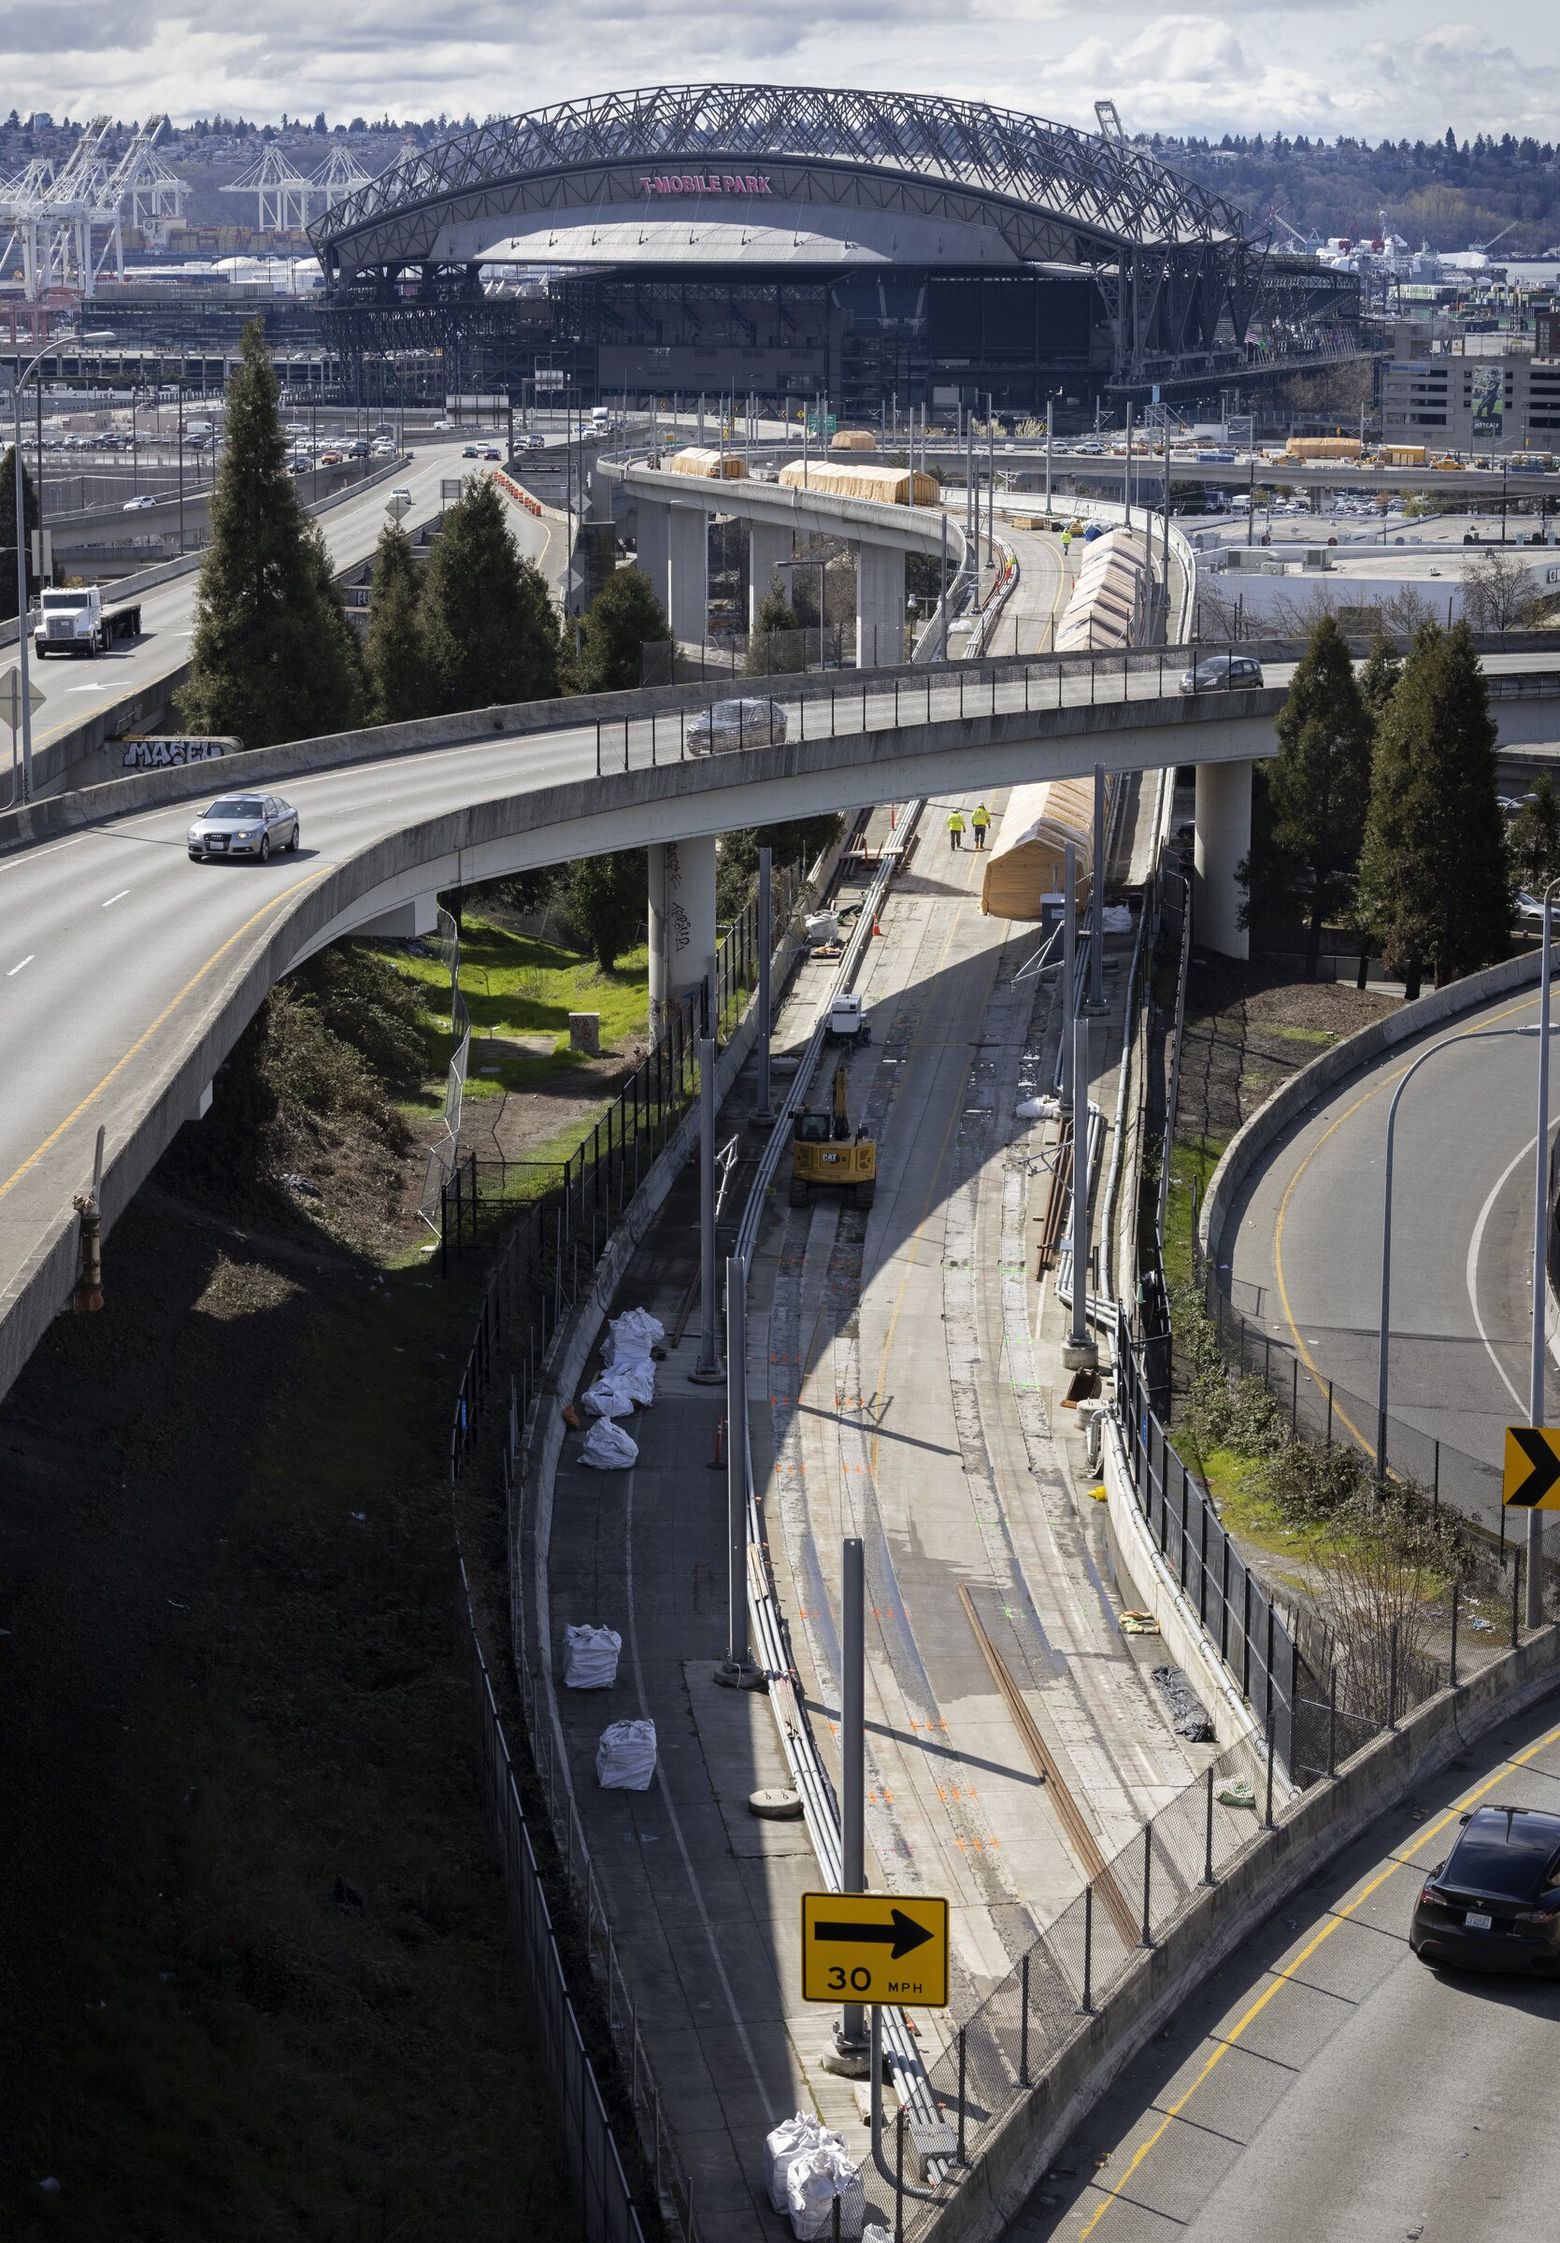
(1433, 872)
(622, 620)
(1319, 785)
(605, 901)
(393, 660)
(1535, 838)
(776, 644)
(8, 532)
(273, 657)
(489, 629)
(1379, 676)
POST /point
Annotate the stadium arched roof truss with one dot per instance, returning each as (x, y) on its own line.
(925, 178)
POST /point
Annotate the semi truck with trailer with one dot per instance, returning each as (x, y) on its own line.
(80, 621)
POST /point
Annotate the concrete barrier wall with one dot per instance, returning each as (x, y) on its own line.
(1308, 1834)
(1290, 1104)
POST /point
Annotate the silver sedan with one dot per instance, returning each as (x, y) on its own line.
(244, 825)
(736, 724)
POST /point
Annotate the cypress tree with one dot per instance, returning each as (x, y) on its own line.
(273, 657)
(622, 620)
(395, 670)
(606, 900)
(1434, 877)
(776, 644)
(1535, 837)
(8, 532)
(1319, 784)
(1379, 676)
(489, 629)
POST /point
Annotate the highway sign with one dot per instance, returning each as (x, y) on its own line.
(872, 1947)
(1531, 1481)
(397, 507)
(11, 699)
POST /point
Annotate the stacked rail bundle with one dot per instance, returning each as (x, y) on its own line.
(1026, 861)
(715, 467)
(1109, 598)
(887, 486)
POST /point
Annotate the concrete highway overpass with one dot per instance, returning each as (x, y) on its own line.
(129, 972)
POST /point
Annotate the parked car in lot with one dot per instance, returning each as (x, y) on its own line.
(243, 825)
(1494, 1903)
(736, 724)
(1220, 673)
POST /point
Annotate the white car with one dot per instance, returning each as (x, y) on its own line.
(135, 505)
(402, 492)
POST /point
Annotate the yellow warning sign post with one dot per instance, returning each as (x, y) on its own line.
(872, 1948)
(1531, 1480)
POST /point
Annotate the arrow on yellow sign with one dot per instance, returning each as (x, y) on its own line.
(1531, 1480)
(875, 1947)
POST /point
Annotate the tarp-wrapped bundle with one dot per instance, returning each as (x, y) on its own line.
(1026, 862)
(608, 1448)
(859, 478)
(698, 459)
(853, 440)
(1108, 598)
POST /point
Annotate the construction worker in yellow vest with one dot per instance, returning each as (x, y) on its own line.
(956, 829)
(980, 819)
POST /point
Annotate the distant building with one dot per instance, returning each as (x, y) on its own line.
(1507, 403)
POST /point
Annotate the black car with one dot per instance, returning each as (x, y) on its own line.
(1219, 673)
(1494, 1903)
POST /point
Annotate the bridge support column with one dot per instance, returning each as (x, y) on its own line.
(688, 572)
(880, 606)
(769, 543)
(1223, 813)
(682, 922)
(654, 534)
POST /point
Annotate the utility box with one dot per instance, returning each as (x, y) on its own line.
(585, 1033)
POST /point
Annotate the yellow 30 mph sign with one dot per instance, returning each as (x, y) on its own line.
(870, 1947)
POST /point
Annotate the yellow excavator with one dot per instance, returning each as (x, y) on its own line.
(823, 1152)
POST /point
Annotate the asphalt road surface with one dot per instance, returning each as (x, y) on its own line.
(1326, 2087)
(1306, 1264)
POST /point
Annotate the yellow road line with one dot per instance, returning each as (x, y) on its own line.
(148, 1033)
(1384, 1083)
(1282, 1978)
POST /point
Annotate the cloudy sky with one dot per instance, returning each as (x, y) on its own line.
(1375, 67)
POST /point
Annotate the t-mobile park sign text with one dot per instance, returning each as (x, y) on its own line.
(706, 183)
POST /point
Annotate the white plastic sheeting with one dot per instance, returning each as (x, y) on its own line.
(625, 1757)
(621, 1388)
(1038, 1109)
(590, 1658)
(631, 1336)
(608, 1448)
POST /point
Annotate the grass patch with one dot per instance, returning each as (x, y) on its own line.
(520, 987)
(1322, 1038)
(1191, 1165)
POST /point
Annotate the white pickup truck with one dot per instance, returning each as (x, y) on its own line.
(77, 622)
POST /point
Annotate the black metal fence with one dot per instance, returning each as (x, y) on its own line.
(1233, 1607)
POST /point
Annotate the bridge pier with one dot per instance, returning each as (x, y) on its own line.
(769, 545)
(682, 922)
(688, 572)
(880, 605)
(1223, 814)
(654, 536)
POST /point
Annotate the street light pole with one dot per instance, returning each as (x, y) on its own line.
(1539, 1335)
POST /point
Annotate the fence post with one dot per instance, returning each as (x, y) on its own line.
(1332, 1713)
(1267, 1812)
(1294, 1394)
(1516, 1595)
(1088, 1947)
(1023, 2020)
(1455, 1588)
(899, 2175)
(1392, 1678)
(1329, 1412)
(963, 2160)
(1208, 1876)
(1148, 1874)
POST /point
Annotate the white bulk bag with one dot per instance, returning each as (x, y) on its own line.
(812, 2184)
(608, 1448)
(625, 1757)
(791, 2139)
(590, 1658)
(632, 1335)
(1038, 1109)
(608, 1395)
